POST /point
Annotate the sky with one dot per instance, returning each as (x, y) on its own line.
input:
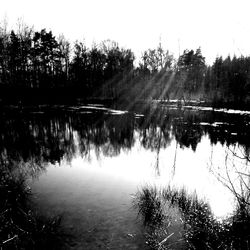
(219, 27)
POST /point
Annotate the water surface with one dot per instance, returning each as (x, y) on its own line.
(87, 162)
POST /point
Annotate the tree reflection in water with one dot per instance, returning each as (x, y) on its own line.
(34, 138)
(50, 134)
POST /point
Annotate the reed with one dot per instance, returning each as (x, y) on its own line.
(201, 229)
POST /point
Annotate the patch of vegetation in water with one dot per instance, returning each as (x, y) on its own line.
(198, 227)
(20, 227)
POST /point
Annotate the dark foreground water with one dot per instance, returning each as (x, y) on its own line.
(87, 162)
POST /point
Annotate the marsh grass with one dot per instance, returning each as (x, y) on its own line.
(152, 210)
(150, 206)
(201, 229)
(20, 227)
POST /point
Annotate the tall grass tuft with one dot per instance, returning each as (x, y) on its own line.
(152, 210)
(149, 205)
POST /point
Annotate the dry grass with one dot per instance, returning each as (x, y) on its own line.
(20, 227)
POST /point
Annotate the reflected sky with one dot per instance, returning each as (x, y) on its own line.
(137, 168)
(87, 162)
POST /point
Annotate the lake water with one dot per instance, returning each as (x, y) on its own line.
(87, 162)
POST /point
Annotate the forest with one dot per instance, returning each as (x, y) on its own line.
(37, 67)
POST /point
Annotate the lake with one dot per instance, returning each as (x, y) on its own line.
(87, 162)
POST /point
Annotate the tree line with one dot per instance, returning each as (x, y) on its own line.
(38, 60)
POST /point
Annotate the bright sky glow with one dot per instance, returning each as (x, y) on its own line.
(130, 171)
(220, 27)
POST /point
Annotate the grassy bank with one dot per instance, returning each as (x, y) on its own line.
(198, 228)
(20, 226)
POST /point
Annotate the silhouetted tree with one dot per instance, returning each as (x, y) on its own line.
(46, 52)
(191, 66)
(79, 67)
(4, 54)
(155, 60)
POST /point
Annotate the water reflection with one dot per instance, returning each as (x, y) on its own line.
(95, 158)
(50, 135)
